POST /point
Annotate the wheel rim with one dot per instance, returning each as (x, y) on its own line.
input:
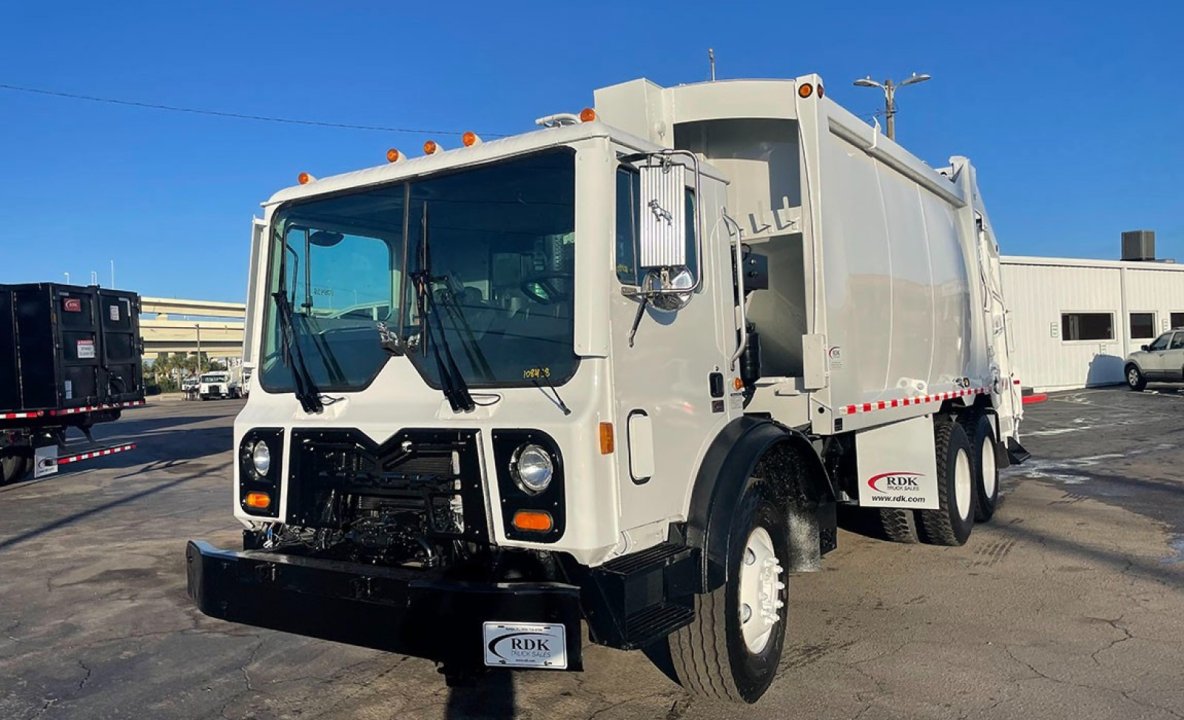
(760, 590)
(963, 482)
(987, 464)
(1132, 377)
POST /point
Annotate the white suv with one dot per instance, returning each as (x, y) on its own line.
(1162, 360)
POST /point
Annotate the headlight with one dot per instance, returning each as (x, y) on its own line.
(261, 458)
(532, 468)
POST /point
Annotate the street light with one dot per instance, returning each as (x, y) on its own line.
(890, 89)
(198, 327)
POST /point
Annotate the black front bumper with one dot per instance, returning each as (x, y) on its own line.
(411, 612)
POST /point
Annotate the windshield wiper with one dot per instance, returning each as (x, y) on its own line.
(305, 388)
(452, 382)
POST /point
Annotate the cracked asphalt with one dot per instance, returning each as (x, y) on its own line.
(1069, 604)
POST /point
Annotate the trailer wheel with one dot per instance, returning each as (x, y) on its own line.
(899, 524)
(952, 522)
(986, 471)
(731, 650)
(12, 468)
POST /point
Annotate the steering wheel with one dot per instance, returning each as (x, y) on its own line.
(542, 288)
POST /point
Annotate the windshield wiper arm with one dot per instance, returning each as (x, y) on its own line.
(305, 388)
(452, 382)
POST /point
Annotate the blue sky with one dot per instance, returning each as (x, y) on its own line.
(1072, 111)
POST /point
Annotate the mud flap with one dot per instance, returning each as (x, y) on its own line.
(1016, 452)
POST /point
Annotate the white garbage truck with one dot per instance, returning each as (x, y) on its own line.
(620, 370)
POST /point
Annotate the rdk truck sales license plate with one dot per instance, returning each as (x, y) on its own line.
(525, 645)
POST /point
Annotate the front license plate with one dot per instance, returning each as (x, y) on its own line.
(525, 645)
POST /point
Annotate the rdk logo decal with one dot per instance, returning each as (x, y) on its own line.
(515, 644)
(894, 482)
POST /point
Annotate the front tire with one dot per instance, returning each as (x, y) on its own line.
(731, 650)
(1135, 379)
(952, 521)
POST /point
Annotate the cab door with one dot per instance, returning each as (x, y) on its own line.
(1173, 359)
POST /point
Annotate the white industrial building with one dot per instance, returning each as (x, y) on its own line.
(1073, 322)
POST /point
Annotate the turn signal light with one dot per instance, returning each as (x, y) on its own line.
(606, 438)
(805, 90)
(587, 115)
(533, 521)
(304, 178)
(431, 147)
(737, 384)
(470, 139)
(258, 500)
(393, 155)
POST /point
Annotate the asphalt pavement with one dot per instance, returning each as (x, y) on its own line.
(1069, 604)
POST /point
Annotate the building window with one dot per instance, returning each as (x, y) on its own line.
(1142, 325)
(1087, 326)
(1178, 319)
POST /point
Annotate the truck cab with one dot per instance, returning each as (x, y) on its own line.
(218, 384)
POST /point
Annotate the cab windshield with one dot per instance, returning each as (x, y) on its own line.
(482, 258)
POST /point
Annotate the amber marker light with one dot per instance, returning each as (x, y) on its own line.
(533, 521)
(805, 90)
(431, 147)
(470, 138)
(258, 500)
(304, 178)
(587, 115)
(393, 156)
(606, 438)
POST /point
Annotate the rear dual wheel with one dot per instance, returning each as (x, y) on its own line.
(13, 467)
(952, 521)
(983, 444)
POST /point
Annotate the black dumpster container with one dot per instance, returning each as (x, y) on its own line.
(67, 346)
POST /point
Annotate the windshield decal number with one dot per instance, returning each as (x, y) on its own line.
(536, 373)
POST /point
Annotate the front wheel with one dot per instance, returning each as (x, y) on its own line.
(1134, 378)
(731, 650)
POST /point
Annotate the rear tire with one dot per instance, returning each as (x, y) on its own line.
(1135, 379)
(13, 468)
(952, 522)
(979, 429)
(720, 655)
(899, 524)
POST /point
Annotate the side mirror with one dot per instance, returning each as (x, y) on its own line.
(1146, 348)
(662, 242)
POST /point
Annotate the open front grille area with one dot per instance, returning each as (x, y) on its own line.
(406, 499)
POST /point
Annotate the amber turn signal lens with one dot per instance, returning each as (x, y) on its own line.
(303, 178)
(737, 384)
(532, 521)
(805, 90)
(392, 155)
(430, 147)
(587, 115)
(606, 438)
(258, 500)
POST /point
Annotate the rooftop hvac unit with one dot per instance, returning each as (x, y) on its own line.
(1138, 245)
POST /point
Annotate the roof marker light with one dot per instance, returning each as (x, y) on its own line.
(393, 156)
(470, 139)
(587, 115)
(304, 178)
(805, 90)
(431, 147)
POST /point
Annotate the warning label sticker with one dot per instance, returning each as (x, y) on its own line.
(86, 349)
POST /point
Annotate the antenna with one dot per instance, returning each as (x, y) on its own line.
(711, 61)
(112, 273)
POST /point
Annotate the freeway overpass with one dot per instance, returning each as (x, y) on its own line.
(171, 325)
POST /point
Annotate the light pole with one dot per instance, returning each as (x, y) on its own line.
(890, 89)
(197, 326)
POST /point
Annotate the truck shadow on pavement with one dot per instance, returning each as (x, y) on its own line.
(489, 695)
